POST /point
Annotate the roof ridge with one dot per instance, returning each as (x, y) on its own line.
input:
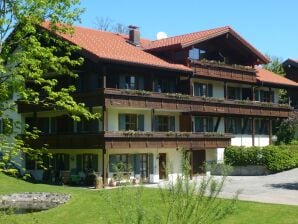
(181, 35)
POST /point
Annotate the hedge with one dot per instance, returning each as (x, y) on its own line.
(275, 158)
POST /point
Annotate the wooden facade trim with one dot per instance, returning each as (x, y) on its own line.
(194, 104)
(108, 140)
(165, 140)
(223, 72)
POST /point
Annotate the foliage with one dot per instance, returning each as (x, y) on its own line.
(287, 129)
(32, 60)
(275, 66)
(274, 158)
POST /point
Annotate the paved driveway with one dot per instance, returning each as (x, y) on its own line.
(281, 188)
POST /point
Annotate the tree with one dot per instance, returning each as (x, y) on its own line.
(107, 24)
(31, 60)
(287, 129)
(275, 66)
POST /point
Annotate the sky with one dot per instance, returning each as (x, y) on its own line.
(271, 26)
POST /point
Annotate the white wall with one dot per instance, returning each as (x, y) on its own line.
(113, 117)
(246, 140)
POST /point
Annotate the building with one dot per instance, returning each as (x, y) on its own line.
(291, 69)
(198, 92)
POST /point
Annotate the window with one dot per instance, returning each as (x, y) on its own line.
(87, 162)
(196, 54)
(262, 126)
(115, 160)
(164, 123)
(164, 86)
(203, 89)
(234, 93)
(233, 125)
(43, 124)
(247, 126)
(264, 96)
(238, 125)
(85, 126)
(203, 124)
(130, 82)
(61, 161)
(133, 122)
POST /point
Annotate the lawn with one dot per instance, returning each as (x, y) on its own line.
(87, 206)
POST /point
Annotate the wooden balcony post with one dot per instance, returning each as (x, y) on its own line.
(253, 130)
(225, 90)
(104, 167)
(253, 93)
(152, 120)
(104, 119)
(270, 131)
(190, 86)
(270, 95)
(153, 83)
(104, 77)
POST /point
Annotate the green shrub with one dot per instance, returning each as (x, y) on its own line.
(274, 158)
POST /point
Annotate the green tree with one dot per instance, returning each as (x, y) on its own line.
(275, 66)
(31, 61)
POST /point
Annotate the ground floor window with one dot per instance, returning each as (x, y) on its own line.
(140, 164)
(87, 162)
(61, 161)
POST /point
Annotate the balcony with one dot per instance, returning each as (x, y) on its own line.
(212, 69)
(69, 141)
(194, 104)
(132, 139)
(189, 140)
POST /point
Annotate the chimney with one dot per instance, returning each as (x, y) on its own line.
(134, 35)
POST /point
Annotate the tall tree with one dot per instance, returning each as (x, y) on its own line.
(107, 24)
(275, 66)
(31, 61)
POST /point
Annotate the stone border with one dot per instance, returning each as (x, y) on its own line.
(34, 200)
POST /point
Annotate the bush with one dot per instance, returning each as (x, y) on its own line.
(274, 158)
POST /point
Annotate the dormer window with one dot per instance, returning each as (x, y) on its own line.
(196, 54)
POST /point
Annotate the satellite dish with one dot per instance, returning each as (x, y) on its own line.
(161, 35)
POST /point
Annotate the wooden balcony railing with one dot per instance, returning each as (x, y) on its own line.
(131, 139)
(195, 104)
(70, 141)
(204, 68)
(188, 140)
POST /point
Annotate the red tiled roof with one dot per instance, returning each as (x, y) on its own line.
(185, 38)
(112, 46)
(191, 38)
(269, 77)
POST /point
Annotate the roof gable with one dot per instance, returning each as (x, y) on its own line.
(187, 40)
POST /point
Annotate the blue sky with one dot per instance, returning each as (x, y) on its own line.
(269, 25)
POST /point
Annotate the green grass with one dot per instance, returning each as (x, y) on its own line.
(88, 206)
